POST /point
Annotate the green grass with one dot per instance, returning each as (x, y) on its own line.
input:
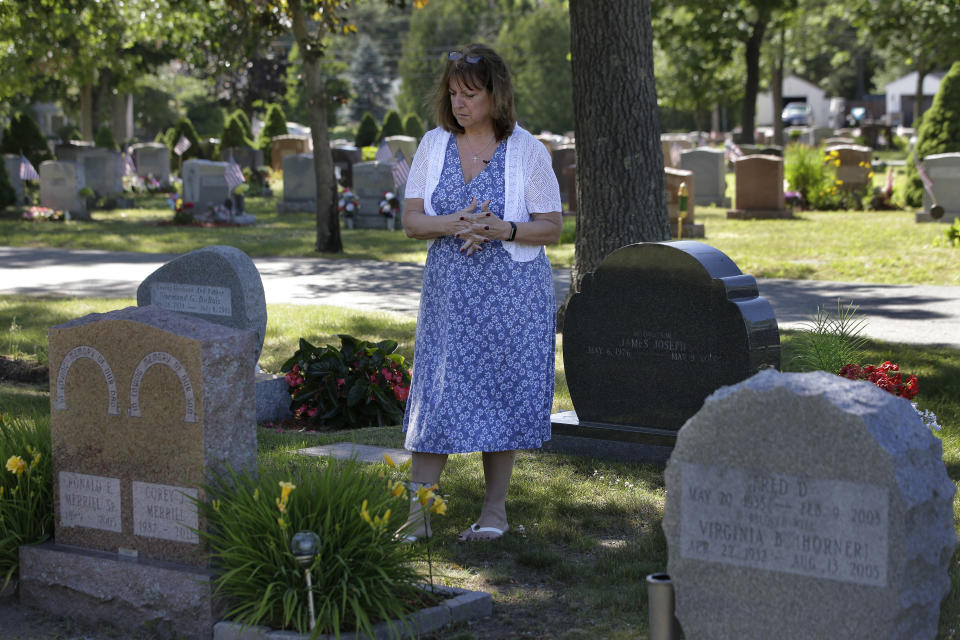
(885, 247)
(592, 527)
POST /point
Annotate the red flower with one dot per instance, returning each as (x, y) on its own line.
(401, 392)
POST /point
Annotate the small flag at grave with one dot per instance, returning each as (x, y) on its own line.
(182, 145)
(234, 175)
(400, 171)
(733, 151)
(383, 153)
(129, 169)
(924, 178)
(27, 172)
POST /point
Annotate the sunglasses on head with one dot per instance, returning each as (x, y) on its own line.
(453, 56)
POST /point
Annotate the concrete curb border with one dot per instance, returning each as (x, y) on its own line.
(464, 605)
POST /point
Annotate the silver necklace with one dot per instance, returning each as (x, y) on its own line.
(477, 155)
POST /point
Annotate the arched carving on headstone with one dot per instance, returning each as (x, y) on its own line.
(85, 351)
(164, 358)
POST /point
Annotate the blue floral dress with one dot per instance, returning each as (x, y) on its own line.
(483, 353)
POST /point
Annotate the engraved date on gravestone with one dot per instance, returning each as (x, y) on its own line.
(165, 512)
(89, 501)
(809, 526)
(191, 298)
(651, 344)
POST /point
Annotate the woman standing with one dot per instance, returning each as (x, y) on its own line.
(482, 192)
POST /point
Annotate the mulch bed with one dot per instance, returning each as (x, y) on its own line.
(27, 371)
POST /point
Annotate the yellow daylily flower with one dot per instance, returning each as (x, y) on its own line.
(389, 461)
(285, 489)
(439, 506)
(256, 493)
(398, 489)
(282, 522)
(364, 514)
(424, 494)
(16, 465)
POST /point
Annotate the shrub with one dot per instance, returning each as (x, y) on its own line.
(814, 176)
(413, 126)
(939, 132)
(23, 135)
(26, 490)
(68, 132)
(184, 128)
(392, 126)
(361, 574)
(240, 115)
(234, 134)
(829, 343)
(275, 124)
(358, 385)
(104, 138)
(368, 132)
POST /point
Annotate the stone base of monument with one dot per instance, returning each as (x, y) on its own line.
(101, 587)
(690, 230)
(924, 216)
(273, 397)
(296, 206)
(461, 605)
(759, 214)
(608, 441)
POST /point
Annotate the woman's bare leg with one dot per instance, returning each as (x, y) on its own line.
(425, 468)
(497, 469)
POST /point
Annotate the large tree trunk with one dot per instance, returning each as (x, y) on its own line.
(621, 193)
(918, 97)
(86, 111)
(752, 59)
(776, 91)
(328, 223)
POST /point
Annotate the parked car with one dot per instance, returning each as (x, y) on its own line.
(797, 114)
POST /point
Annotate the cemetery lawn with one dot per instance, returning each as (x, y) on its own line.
(592, 528)
(883, 247)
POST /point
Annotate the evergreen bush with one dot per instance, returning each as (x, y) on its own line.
(939, 132)
(104, 138)
(413, 126)
(23, 135)
(8, 195)
(368, 132)
(184, 128)
(234, 134)
(392, 126)
(275, 124)
(240, 115)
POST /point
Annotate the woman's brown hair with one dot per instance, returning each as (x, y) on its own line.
(487, 71)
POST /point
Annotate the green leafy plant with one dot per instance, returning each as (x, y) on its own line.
(361, 384)
(104, 139)
(828, 342)
(413, 126)
(361, 574)
(26, 490)
(953, 234)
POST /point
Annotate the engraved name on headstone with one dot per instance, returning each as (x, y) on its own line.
(830, 529)
(190, 298)
(89, 501)
(165, 511)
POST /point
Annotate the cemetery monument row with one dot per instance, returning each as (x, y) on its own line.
(652, 332)
(808, 506)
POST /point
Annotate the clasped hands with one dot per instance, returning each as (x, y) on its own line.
(476, 228)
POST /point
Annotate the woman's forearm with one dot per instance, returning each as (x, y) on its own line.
(418, 224)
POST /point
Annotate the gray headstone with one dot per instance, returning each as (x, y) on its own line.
(204, 183)
(808, 506)
(60, 184)
(299, 181)
(944, 171)
(246, 157)
(102, 170)
(370, 181)
(70, 151)
(11, 162)
(152, 158)
(709, 172)
(219, 284)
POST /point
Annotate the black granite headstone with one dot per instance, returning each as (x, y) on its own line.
(345, 158)
(653, 331)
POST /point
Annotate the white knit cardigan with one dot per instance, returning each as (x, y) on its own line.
(529, 181)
